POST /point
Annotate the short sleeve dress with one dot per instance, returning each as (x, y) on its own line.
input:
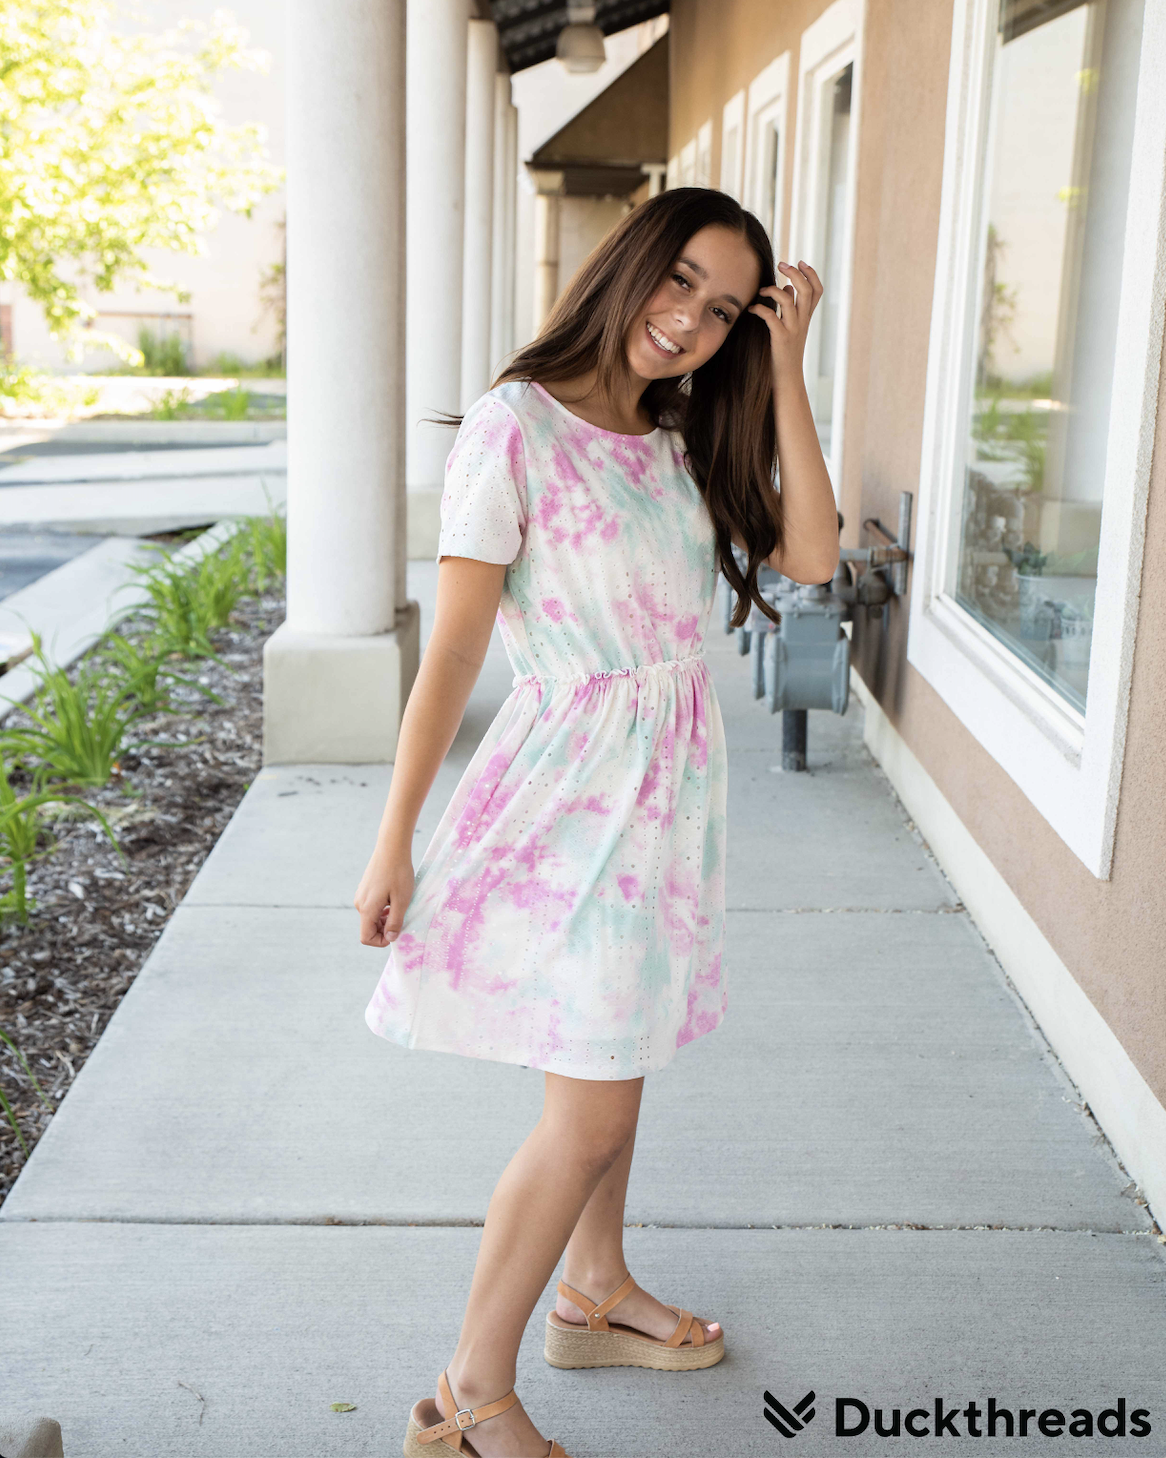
(568, 913)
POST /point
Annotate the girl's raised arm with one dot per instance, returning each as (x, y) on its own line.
(809, 552)
(468, 594)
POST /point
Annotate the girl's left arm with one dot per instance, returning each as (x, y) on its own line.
(809, 551)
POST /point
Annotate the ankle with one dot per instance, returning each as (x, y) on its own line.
(597, 1279)
(473, 1385)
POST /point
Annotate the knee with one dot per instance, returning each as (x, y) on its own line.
(596, 1145)
(601, 1148)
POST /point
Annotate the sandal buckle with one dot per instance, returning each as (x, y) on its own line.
(464, 1412)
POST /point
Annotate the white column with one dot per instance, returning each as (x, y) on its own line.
(337, 673)
(435, 131)
(546, 245)
(505, 199)
(510, 332)
(477, 266)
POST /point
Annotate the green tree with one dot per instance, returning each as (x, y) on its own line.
(113, 144)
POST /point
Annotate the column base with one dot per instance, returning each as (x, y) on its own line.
(335, 700)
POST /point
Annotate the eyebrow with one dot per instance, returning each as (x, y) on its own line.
(703, 273)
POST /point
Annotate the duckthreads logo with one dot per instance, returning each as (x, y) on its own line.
(788, 1423)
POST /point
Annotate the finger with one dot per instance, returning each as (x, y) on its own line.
(802, 288)
(815, 281)
(769, 317)
(372, 928)
(372, 937)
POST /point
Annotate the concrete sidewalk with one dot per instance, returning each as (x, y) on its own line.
(140, 492)
(874, 1174)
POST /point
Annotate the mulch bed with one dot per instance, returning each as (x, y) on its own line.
(96, 917)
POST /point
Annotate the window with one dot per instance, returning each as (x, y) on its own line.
(732, 145)
(1055, 185)
(1041, 394)
(822, 225)
(834, 160)
(688, 164)
(704, 156)
(768, 110)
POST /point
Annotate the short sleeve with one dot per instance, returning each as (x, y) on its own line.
(483, 504)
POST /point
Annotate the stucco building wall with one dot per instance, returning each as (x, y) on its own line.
(1111, 933)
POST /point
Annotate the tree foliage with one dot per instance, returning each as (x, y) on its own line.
(112, 143)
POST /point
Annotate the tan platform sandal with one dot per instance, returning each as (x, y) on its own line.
(601, 1344)
(427, 1426)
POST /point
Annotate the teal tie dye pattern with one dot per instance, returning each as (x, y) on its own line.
(568, 912)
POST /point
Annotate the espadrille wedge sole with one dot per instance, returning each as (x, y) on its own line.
(602, 1344)
(429, 1435)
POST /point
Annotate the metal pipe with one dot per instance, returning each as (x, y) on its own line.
(793, 739)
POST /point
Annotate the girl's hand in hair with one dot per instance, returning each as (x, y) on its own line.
(787, 316)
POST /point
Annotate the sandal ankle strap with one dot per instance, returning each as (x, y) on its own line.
(465, 1417)
(597, 1315)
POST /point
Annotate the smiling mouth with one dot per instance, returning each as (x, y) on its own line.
(662, 342)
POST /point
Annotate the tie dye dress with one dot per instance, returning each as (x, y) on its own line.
(568, 913)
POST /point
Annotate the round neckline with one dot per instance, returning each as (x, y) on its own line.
(615, 434)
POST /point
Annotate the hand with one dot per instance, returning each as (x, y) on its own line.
(382, 897)
(789, 325)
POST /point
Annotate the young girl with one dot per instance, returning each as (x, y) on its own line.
(568, 913)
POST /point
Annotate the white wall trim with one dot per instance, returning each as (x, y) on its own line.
(703, 172)
(827, 47)
(1068, 765)
(1121, 1100)
(768, 104)
(733, 115)
(687, 164)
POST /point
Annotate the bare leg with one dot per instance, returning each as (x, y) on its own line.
(584, 1126)
(595, 1264)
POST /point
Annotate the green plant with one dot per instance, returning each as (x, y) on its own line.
(264, 540)
(185, 605)
(25, 391)
(172, 405)
(229, 404)
(1028, 561)
(1013, 435)
(20, 829)
(162, 354)
(78, 725)
(225, 364)
(39, 1093)
(143, 669)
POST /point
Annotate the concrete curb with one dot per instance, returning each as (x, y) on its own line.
(94, 613)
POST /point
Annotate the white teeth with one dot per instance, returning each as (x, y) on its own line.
(663, 342)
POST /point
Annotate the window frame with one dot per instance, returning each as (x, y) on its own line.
(1066, 763)
(733, 116)
(686, 164)
(703, 162)
(768, 100)
(827, 47)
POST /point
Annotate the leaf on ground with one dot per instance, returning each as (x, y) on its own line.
(344, 1407)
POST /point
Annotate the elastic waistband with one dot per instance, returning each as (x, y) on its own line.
(638, 671)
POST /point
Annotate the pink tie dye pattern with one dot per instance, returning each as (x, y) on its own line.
(568, 912)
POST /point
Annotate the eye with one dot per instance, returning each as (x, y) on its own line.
(682, 279)
(721, 314)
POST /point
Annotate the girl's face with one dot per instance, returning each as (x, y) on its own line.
(689, 317)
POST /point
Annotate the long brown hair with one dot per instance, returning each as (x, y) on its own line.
(724, 409)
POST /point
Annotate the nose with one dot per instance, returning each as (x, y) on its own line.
(685, 318)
